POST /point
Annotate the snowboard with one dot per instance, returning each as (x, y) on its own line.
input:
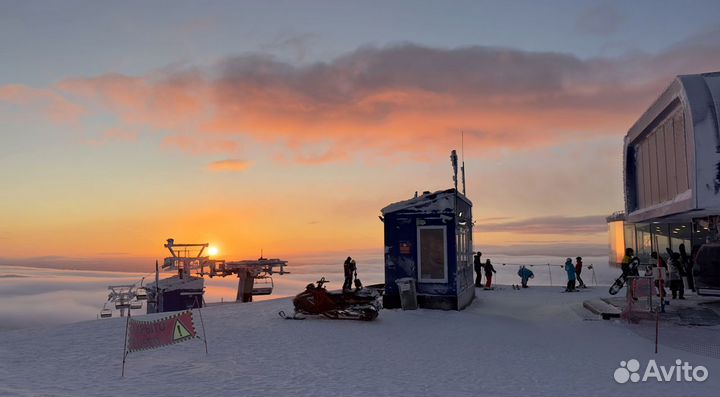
(617, 286)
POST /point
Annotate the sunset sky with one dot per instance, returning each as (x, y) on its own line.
(287, 126)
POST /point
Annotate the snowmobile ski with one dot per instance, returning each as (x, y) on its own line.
(294, 316)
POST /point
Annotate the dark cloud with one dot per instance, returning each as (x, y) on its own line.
(560, 225)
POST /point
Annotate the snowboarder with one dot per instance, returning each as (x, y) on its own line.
(478, 269)
(677, 287)
(349, 268)
(489, 270)
(570, 269)
(524, 273)
(578, 270)
(627, 270)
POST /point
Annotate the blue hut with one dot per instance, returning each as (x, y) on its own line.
(429, 238)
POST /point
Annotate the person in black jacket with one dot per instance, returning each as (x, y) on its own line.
(477, 264)
(349, 268)
(687, 263)
(489, 270)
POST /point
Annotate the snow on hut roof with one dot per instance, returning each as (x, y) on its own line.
(174, 283)
(428, 202)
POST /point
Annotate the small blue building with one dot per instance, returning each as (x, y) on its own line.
(429, 238)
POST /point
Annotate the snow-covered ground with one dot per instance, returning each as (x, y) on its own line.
(536, 342)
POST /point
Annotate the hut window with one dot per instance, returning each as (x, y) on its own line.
(432, 254)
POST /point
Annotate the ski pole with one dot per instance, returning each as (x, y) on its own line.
(550, 273)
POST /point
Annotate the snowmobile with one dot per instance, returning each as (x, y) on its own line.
(620, 281)
(359, 304)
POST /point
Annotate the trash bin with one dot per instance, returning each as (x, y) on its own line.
(408, 295)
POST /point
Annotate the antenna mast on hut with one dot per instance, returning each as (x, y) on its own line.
(454, 161)
(462, 153)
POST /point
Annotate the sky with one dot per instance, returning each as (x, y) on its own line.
(287, 126)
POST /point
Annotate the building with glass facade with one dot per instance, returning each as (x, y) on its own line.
(671, 172)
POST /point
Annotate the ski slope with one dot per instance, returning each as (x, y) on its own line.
(536, 342)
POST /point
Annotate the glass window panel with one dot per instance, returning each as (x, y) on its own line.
(646, 174)
(662, 239)
(661, 164)
(681, 166)
(670, 160)
(639, 188)
(644, 242)
(680, 233)
(700, 235)
(432, 253)
(630, 237)
(654, 183)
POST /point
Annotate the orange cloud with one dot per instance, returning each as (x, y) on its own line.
(405, 100)
(51, 105)
(229, 165)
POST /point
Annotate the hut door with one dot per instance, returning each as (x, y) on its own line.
(432, 254)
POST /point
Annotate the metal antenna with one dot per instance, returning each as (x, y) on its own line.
(454, 162)
(462, 154)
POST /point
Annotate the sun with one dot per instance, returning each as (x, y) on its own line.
(212, 251)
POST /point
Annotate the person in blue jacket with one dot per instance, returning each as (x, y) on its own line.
(570, 269)
(525, 274)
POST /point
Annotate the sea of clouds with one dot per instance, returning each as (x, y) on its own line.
(43, 297)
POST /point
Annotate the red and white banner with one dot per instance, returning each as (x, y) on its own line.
(143, 335)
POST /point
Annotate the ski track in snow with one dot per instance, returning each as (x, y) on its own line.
(533, 342)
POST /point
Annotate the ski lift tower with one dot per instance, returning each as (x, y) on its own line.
(188, 259)
(248, 271)
(124, 297)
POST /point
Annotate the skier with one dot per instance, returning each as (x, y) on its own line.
(570, 269)
(677, 287)
(350, 268)
(478, 269)
(524, 273)
(489, 270)
(578, 270)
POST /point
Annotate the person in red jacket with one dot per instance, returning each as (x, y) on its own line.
(578, 269)
(489, 270)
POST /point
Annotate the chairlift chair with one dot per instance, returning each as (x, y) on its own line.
(263, 285)
(141, 294)
(136, 305)
(121, 305)
(105, 313)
